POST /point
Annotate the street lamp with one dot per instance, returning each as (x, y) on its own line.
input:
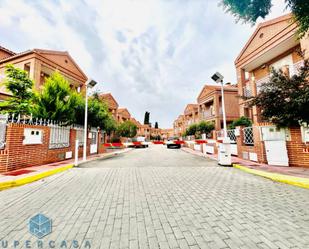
(224, 154)
(217, 77)
(90, 83)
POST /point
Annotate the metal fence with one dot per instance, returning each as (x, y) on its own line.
(248, 136)
(80, 135)
(59, 137)
(231, 135)
(2, 131)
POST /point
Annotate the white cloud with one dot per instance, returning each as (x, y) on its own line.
(153, 55)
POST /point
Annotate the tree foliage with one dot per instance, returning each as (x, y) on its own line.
(242, 121)
(251, 10)
(284, 100)
(126, 129)
(147, 118)
(56, 100)
(200, 128)
(98, 114)
(156, 125)
(18, 83)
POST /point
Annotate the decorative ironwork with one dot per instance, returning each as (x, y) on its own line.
(59, 137)
(80, 135)
(248, 136)
(231, 135)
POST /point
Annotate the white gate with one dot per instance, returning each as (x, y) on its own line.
(94, 141)
(3, 121)
(275, 145)
(232, 136)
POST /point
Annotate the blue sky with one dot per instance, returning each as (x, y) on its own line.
(152, 55)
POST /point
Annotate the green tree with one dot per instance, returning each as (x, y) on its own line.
(156, 125)
(18, 83)
(242, 121)
(284, 100)
(192, 130)
(204, 127)
(110, 125)
(98, 114)
(251, 10)
(147, 118)
(56, 100)
(126, 129)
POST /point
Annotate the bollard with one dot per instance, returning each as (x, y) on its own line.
(76, 153)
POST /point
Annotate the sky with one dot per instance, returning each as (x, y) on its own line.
(152, 55)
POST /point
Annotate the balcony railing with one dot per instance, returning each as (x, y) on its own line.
(260, 82)
(295, 68)
(207, 113)
(247, 91)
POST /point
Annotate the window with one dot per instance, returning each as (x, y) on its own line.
(247, 75)
(27, 68)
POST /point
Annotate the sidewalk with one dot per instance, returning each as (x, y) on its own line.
(30, 174)
(296, 176)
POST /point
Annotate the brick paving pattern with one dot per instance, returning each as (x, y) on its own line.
(159, 198)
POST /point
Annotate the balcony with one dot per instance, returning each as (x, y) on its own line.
(260, 82)
(207, 114)
(295, 68)
(247, 91)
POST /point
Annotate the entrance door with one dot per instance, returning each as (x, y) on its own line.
(277, 153)
(275, 145)
(94, 142)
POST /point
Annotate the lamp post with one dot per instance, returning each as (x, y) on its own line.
(217, 77)
(90, 83)
(224, 154)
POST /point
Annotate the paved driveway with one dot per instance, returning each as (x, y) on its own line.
(159, 198)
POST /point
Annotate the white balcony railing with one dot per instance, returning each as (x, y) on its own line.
(247, 91)
(295, 68)
(260, 82)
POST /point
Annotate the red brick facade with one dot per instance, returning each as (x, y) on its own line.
(274, 44)
(16, 155)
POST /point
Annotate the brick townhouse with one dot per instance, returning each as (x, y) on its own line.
(190, 115)
(166, 133)
(41, 63)
(274, 44)
(179, 126)
(210, 104)
(111, 103)
(123, 115)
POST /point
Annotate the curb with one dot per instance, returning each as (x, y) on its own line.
(33, 178)
(291, 180)
(29, 179)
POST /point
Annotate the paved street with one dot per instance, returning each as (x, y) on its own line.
(159, 198)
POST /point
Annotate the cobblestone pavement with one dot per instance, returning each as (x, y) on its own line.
(158, 198)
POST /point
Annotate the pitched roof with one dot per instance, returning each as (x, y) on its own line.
(136, 122)
(110, 100)
(52, 55)
(5, 53)
(207, 89)
(260, 36)
(190, 108)
(124, 112)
